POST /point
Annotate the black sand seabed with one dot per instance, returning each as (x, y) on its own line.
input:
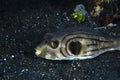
(23, 23)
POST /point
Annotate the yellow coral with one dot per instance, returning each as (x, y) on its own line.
(79, 17)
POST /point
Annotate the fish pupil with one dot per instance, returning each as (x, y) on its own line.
(75, 47)
(54, 44)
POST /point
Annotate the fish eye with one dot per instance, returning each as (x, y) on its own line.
(75, 47)
(53, 44)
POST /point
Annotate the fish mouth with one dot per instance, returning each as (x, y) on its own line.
(38, 51)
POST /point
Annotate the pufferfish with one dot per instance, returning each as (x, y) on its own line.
(75, 45)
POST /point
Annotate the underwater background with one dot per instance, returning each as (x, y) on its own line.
(23, 24)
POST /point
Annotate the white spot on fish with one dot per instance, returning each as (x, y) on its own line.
(48, 56)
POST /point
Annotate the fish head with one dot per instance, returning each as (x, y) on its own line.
(49, 48)
(58, 47)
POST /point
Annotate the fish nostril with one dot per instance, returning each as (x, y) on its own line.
(46, 41)
(75, 47)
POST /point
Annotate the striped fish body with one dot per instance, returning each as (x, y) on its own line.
(74, 45)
